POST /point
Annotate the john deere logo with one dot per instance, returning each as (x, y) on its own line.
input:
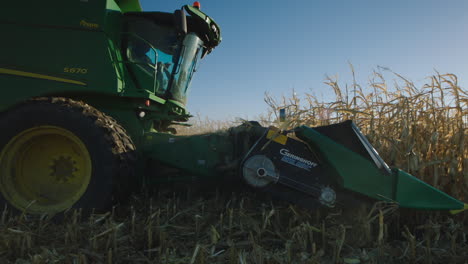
(86, 24)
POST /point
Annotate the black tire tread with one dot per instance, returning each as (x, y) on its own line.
(122, 147)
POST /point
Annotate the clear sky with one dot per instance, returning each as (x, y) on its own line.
(276, 46)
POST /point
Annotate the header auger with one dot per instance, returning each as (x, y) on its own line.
(92, 88)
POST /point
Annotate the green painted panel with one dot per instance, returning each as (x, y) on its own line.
(129, 5)
(360, 175)
(85, 15)
(112, 5)
(355, 172)
(63, 53)
(200, 155)
(414, 193)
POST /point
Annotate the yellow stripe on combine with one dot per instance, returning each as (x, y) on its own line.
(39, 76)
(465, 207)
(277, 137)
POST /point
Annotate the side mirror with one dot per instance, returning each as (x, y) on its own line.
(180, 21)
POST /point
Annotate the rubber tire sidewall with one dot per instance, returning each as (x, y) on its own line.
(98, 194)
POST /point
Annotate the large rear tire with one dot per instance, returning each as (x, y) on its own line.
(58, 153)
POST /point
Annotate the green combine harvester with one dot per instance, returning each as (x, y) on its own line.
(92, 88)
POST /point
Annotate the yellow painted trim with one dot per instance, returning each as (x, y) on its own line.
(465, 207)
(277, 137)
(39, 76)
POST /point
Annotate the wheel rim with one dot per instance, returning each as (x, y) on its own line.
(44, 169)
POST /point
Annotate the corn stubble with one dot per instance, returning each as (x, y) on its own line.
(420, 130)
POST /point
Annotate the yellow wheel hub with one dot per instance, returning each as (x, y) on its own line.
(45, 169)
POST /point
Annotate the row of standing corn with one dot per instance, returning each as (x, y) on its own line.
(422, 130)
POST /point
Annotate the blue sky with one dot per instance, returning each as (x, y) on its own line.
(276, 46)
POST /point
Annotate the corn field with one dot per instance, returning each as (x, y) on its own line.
(421, 130)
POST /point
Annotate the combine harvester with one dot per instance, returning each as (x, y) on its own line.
(91, 89)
